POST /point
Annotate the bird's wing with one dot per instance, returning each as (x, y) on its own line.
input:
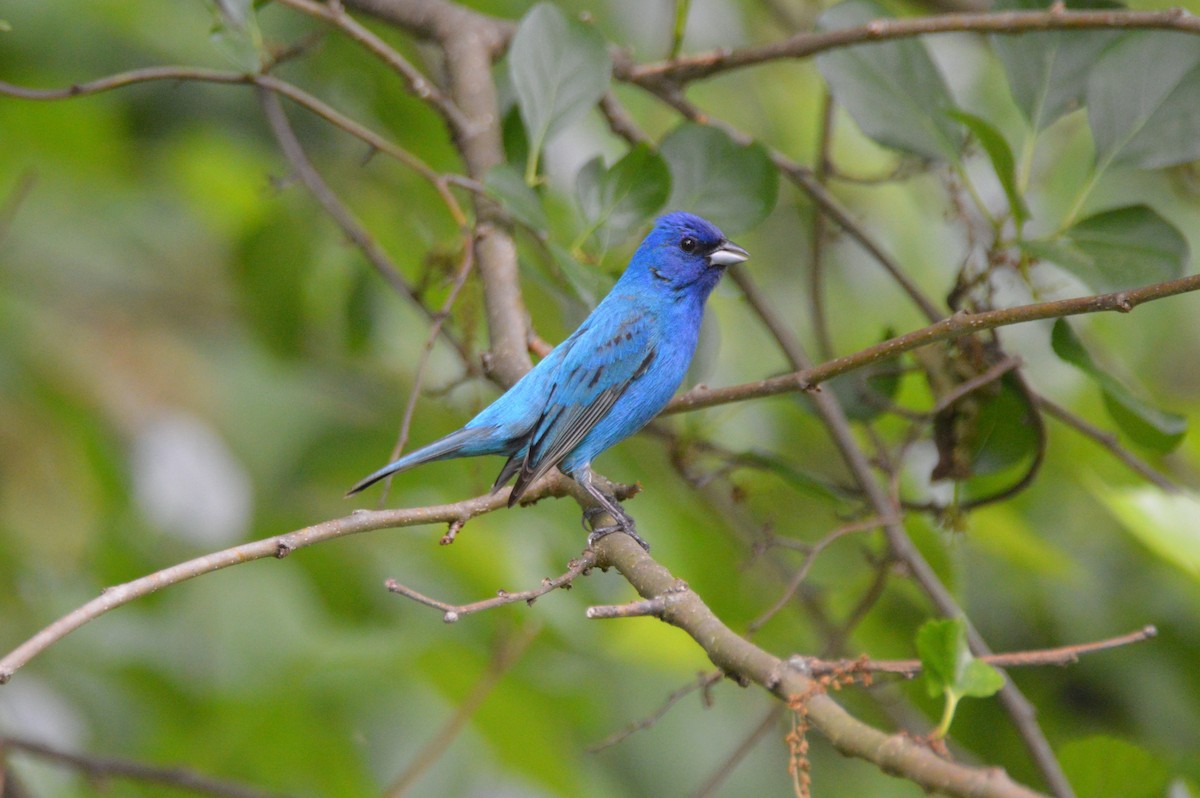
(604, 361)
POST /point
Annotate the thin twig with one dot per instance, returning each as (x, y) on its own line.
(717, 778)
(417, 83)
(439, 318)
(342, 215)
(508, 655)
(702, 682)
(803, 177)
(653, 607)
(1108, 441)
(1062, 655)
(102, 767)
(987, 377)
(809, 558)
(1020, 711)
(956, 326)
(742, 659)
(297, 95)
(804, 45)
(453, 612)
(276, 546)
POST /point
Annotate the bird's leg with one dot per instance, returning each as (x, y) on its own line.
(607, 504)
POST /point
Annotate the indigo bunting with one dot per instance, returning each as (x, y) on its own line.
(608, 379)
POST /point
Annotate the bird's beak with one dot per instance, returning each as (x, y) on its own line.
(727, 254)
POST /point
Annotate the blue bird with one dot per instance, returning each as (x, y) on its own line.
(608, 379)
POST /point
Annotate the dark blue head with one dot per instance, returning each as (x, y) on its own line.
(684, 253)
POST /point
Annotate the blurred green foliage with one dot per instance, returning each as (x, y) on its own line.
(160, 269)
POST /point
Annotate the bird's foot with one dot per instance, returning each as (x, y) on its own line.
(624, 524)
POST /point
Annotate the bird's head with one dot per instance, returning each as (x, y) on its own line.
(684, 251)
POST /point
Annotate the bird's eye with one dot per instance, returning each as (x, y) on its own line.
(688, 244)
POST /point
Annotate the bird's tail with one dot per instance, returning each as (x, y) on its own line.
(449, 446)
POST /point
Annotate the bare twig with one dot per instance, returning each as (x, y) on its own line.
(100, 767)
(738, 657)
(299, 96)
(439, 318)
(469, 41)
(1063, 655)
(508, 655)
(343, 216)
(453, 612)
(702, 682)
(417, 84)
(956, 326)
(809, 558)
(12, 203)
(654, 607)
(804, 45)
(275, 546)
(1109, 442)
(717, 778)
(902, 548)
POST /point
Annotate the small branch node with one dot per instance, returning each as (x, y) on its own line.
(654, 607)
(452, 531)
(283, 548)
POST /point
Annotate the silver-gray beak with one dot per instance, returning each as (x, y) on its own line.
(727, 254)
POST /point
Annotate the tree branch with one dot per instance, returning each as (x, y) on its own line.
(737, 657)
(453, 612)
(1063, 655)
(278, 546)
(956, 326)
(804, 45)
(98, 767)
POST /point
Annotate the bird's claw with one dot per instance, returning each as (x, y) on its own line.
(624, 524)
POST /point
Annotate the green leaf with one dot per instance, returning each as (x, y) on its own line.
(236, 34)
(940, 645)
(734, 186)
(559, 69)
(1143, 100)
(1164, 522)
(1101, 767)
(1060, 252)
(622, 199)
(1001, 156)
(948, 663)
(1006, 430)
(1144, 424)
(950, 669)
(980, 680)
(519, 200)
(892, 90)
(1048, 70)
(1117, 249)
(588, 284)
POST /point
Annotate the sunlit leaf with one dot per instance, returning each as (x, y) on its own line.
(713, 177)
(1143, 423)
(1164, 522)
(950, 670)
(560, 69)
(892, 90)
(1101, 767)
(1143, 99)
